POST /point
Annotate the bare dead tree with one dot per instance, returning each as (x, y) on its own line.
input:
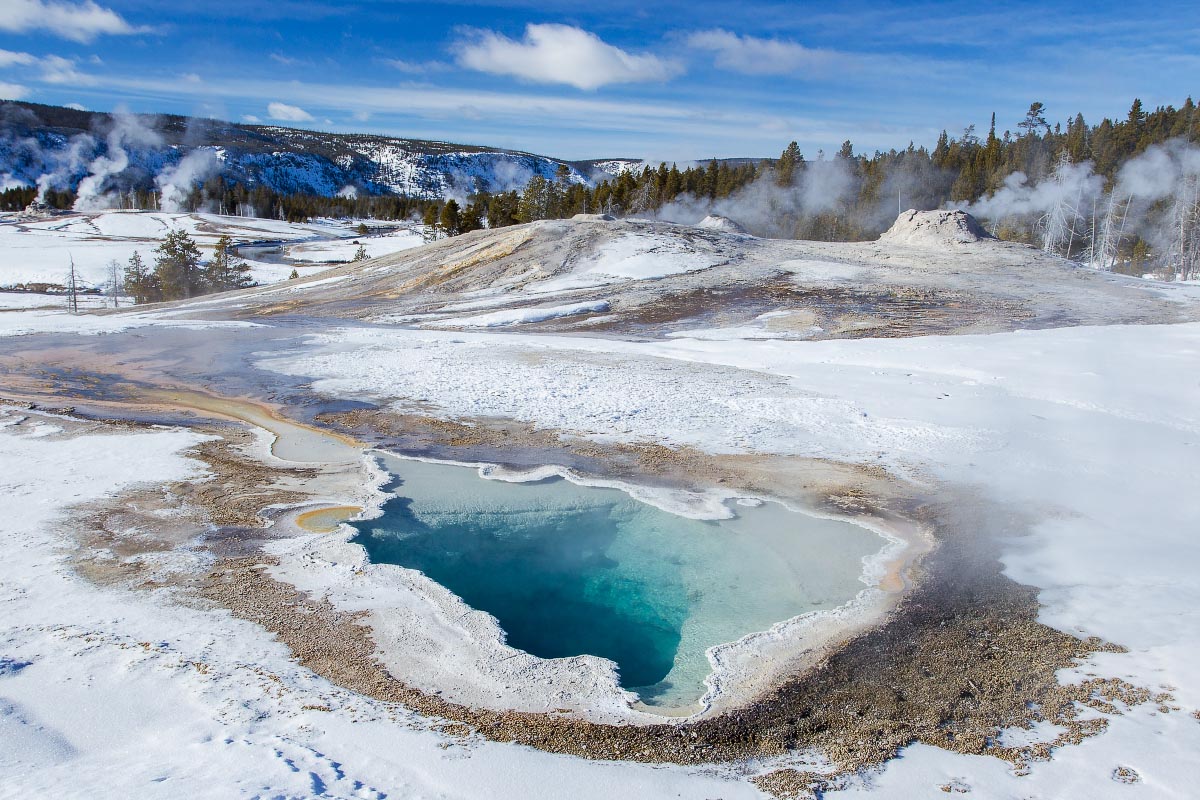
(72, 288)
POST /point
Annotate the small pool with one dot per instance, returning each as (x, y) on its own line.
(569, 570)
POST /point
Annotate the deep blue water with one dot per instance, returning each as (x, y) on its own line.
(569, 570)
(550, 581)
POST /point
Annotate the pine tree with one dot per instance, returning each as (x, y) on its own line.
(449, 218)
(1034, 121)
(673, 185)
(1077, 140)
(1137, 115)
(789, 161)
(226, 271)
(431, 218)
(361, 253)
(502, 210)
(941, 152)
(471, 218)
(177, 266)
(534, 200)
(140, 282)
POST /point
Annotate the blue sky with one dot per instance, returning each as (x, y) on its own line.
(673, 80)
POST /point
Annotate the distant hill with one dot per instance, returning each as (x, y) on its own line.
(60, 145)
(619, 166)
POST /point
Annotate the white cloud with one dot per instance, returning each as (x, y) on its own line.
(560, 54)
(751, 55)
(54, 69)
(59, 70)
(250, 119)
(282, 111)
(587, 123)
(8, 58)
(77, 106)
(13, 91)
(79, 22)
(416, 67)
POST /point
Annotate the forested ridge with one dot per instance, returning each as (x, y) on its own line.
(842, 196)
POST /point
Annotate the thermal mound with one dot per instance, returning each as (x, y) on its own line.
(934, 228)
(716, 222)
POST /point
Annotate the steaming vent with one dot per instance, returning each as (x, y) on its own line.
(716, 222)
(930, 228)
(38, 209)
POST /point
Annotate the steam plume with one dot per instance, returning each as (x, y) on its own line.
(127, 132)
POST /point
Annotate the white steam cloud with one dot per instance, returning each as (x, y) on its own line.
(175, 183)
(767, 209)
(510, 175)
(1155, 196)
(127, 132)
(1069, 183)
(68, 162)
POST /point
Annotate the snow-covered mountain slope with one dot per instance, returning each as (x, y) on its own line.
(57, 146)
(614, 167)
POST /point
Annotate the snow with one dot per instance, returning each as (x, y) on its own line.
(517, 316)
(616, 167)
(345, 250)
(633, 256)
(112, 693)
(1093, 432)
(40, 250)
(57, 320)
(30, 300)
(605, 389)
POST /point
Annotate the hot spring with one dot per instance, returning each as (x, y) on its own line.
(568, 570)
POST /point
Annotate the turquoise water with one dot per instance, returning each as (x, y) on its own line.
(569, 570)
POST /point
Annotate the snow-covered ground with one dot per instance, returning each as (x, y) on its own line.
(24, 301)
(634, 257)
(1092, 431)
(517, 316)
(56, 319)
(41, 250)
(346, 249)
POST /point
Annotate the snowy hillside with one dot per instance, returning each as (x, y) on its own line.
(56, 146)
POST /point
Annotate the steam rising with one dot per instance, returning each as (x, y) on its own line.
(127, 132)
(175, 183)
(68, 162)
(1155, 196)
(767, 209)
